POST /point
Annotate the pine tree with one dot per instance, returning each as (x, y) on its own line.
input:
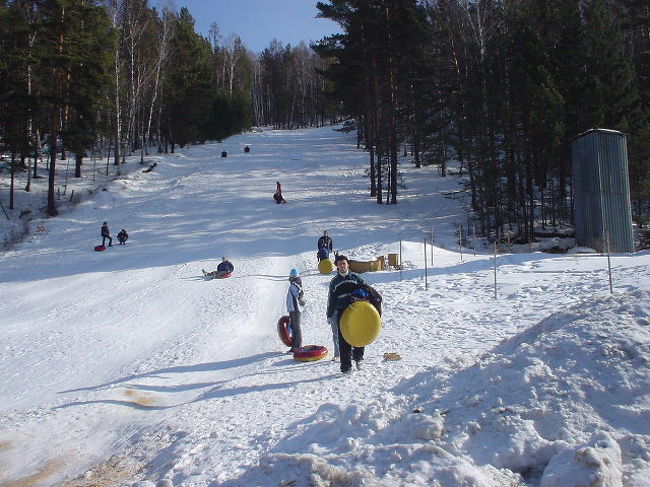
(70, 71)
(610, 92)
(189, 89)
(88, 77)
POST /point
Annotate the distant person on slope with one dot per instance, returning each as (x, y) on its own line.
(122, 237)
(324, 246)
(277, 196)
(106, 234)
(224, 269)
(295, 302)
(335, 307)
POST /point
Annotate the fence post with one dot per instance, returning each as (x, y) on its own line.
(460, 240)
(495, 269)
(474, 238)
(609, 263)
(400, 257)
(426, 282)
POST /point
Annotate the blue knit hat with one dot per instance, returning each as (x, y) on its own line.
(294, 272)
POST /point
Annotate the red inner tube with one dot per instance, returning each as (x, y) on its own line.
(310, 352)
(284, 331)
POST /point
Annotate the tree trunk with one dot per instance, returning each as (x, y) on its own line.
(11, 184)
(78, 161)
(51, 200)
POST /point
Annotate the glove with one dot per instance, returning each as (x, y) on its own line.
(360, 293)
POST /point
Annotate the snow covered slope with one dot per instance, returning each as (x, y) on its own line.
(128, 368)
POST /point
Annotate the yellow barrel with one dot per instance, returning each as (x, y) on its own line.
(360, 324)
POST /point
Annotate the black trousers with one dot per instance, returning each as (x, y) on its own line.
(348, 353)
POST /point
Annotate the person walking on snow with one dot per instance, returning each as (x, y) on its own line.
(325, 246)
(106, 234)
(335, 307)
(224, 268)
(295, 303)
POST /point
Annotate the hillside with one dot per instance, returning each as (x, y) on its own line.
(128, 368)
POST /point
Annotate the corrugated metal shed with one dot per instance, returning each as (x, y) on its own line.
(601, 190)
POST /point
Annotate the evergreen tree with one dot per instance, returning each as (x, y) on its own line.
(634, 19)
(612, 99)
(70, 74)
(610, 92)
(383, 53)
(88, 80)
(189, 89)
(14, 66)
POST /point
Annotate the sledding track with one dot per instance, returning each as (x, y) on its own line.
(189, 346)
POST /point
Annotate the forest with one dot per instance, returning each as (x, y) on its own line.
(116, 78)
(502, 87)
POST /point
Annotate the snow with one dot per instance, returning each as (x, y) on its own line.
(128, 368)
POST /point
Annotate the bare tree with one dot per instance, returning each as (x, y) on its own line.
(164, 37)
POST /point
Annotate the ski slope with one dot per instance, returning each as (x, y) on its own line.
(128, 368)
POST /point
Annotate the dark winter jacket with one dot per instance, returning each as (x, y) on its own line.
(105, 231)
(123, 236)
(325, 243)
(349, 291)
(335, 304)
(322, 254)
(225, 266)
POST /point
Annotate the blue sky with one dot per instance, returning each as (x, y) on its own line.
(258, 22)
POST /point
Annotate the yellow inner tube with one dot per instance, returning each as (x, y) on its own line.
(360, 324)
(325, 266)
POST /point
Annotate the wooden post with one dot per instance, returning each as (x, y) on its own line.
(474, 238)
(609, 263)
(400, 257)
(426, 283)
(495, 269)
(460, 240)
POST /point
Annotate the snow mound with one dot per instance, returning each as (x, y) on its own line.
(536, 398)
(563, 404)
(596, 464)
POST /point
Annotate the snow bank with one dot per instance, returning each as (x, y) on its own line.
(563, 404)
